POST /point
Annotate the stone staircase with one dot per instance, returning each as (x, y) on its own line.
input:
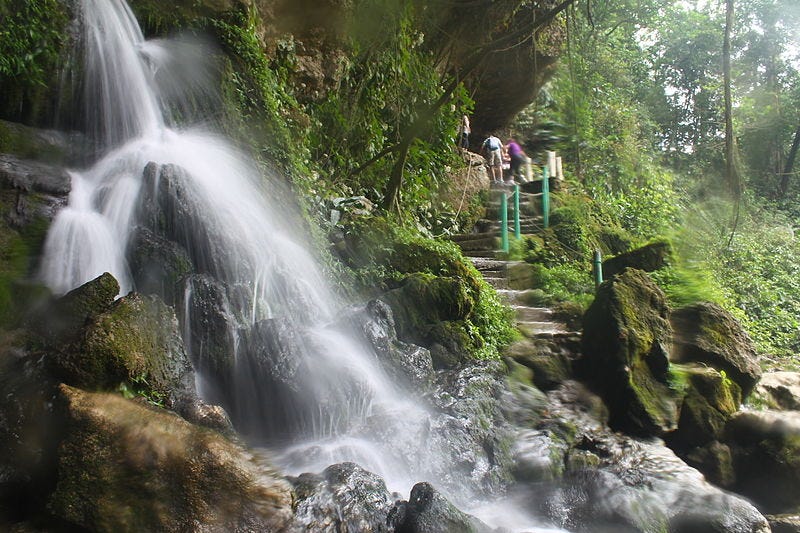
(482, 247)
(548, 345)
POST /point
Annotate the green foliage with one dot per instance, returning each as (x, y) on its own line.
(32, 37)
(390, 83)
(561, 283)
(260, 106)
(383, 254)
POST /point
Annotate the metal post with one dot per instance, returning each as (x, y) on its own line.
(504, 220)
(545, 198)
(598, 268)
(517, 232)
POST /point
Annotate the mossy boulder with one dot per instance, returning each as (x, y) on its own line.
(549, 360)
(706, 333)
(649, 258)
(710, 400)
(133, 343)
(626, 341)
(126, 467)
(766, 455)
(62, 322)
(423, 306)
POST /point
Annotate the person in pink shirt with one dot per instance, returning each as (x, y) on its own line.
(518, 159)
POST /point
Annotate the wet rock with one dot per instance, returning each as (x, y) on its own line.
(469, 429)
(212, 343)
(779, 390)
(709, 401)
(125, 467)
(135, 342)
(707, 334)
(788, 523)
(550, 362)
(428, 511)
(159, 266)
(27, 434)
(410, 363)
(62, 322)
(766, 457)
(715, 461)
(626, 342)
(641, 486)
(345, 497)
(648, 258)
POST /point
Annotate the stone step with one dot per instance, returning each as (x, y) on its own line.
(483, 254)
(461, 237)
(526, 313)
(487, 264)
(498, 282)
(484, 242)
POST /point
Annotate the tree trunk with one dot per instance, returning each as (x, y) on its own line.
(788, 169)
(731, 173)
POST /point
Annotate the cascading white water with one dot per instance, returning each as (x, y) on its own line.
(211, 202)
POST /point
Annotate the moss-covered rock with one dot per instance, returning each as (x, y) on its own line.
(766, 457)
(126, 467)
(431, 310)
(549, 361)
(626, 341)
(132, 343)
(706, 333)
(710, 400)
(61, 324)
(650, 257)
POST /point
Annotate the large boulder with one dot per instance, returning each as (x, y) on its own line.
(649, 258)
(779, 390)
(707, 334)
(626, 342)
(126, 467)
(710, 400)
(135, 344)
(766, 455)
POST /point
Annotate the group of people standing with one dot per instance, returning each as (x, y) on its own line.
(498, 155)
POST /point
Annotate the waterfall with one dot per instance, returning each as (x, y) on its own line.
(258, 317)
(181, 212)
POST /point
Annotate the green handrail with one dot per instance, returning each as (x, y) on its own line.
(545, 197)
(504, 220)
(598, 268)
(517, 231)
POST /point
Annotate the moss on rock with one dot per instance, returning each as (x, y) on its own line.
(625, 345)
(125, 467)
